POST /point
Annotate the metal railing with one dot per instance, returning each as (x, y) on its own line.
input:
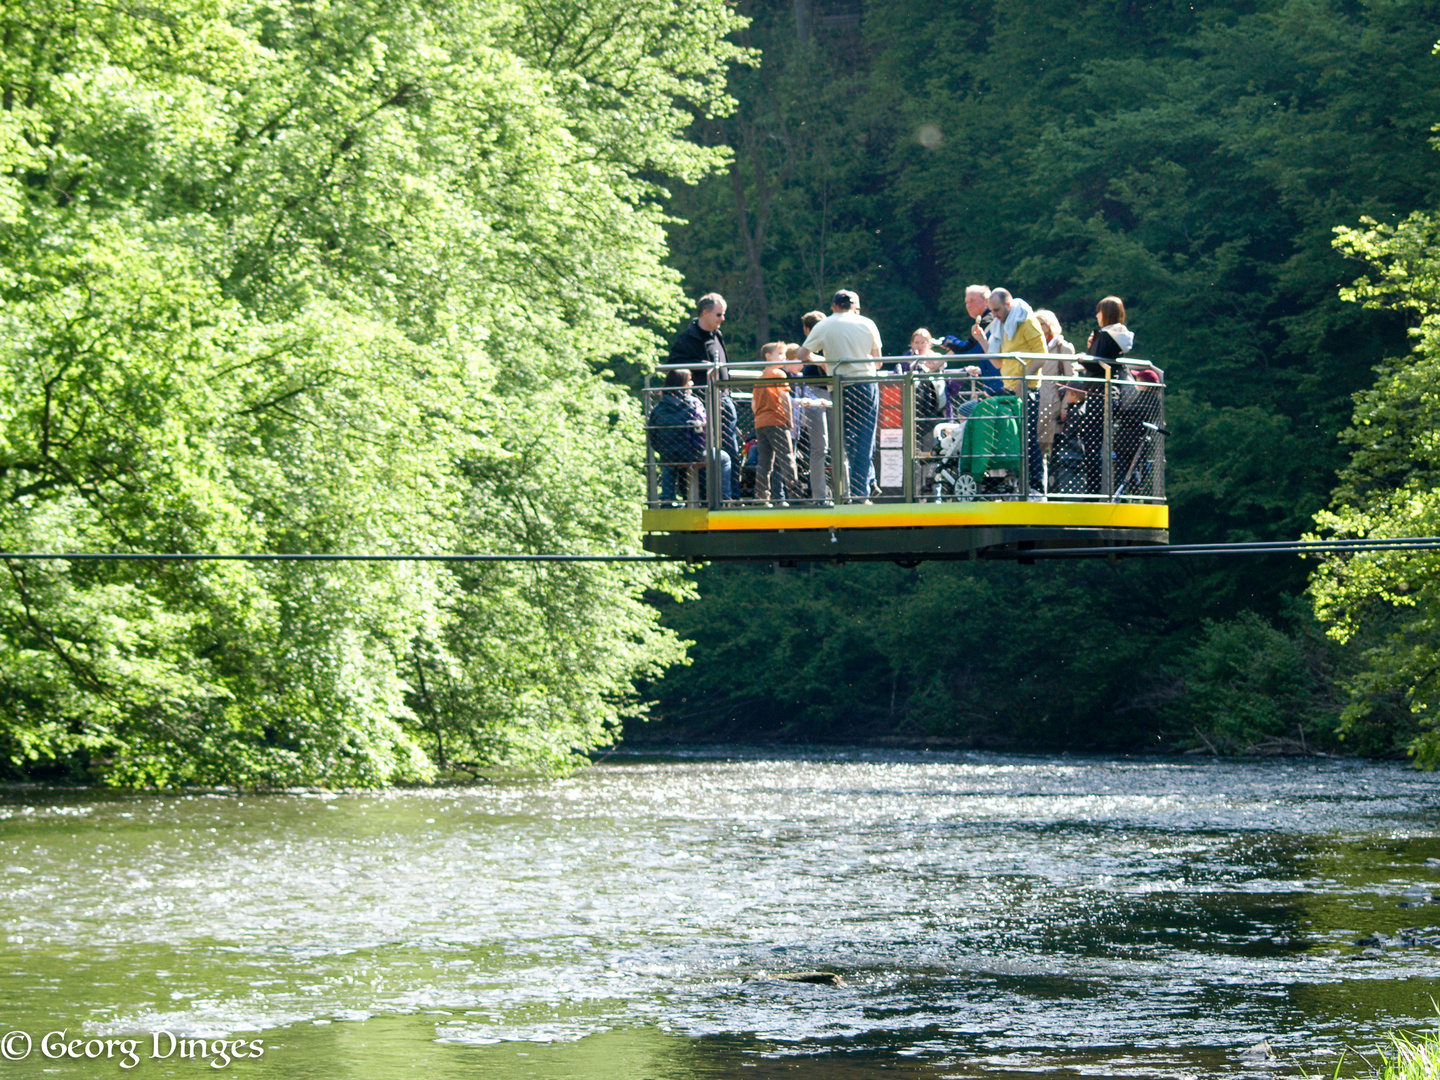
(1071, 428)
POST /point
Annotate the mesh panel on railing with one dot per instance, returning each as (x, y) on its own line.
(676, 430)
(1136, 440)
(860, 440)
(1075, 462)
(1044, 403)
(979, 452)
(1076, 465)
(781, 462)
(941, 400)
(929, 402)
(792, 442)
(812, 449)
(1074, 418)
(749, 450)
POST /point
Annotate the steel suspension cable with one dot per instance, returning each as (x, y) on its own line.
(1256, 547)
(185, 556)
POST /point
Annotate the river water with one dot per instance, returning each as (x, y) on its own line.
(985, 915)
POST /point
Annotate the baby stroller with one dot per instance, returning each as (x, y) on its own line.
(980, 457)
(951, 482)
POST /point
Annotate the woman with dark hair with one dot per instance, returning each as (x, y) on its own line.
(1107, 344)
(1112, 340)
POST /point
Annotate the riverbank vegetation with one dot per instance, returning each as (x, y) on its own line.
(1410, 1056)
(1196, 159)
(315, 277)
(1416, 1058)
(1389, 488)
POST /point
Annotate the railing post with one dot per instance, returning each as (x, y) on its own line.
(646, 400)
(714, 428)
(907, 421)
(839, 467)
(1024, 434)
(1158, 466)
(1107, 463)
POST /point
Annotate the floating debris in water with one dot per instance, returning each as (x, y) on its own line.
(1261, 1051)
(1411, 935)
(818, 978)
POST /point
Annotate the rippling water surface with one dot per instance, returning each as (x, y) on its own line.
(985, 915)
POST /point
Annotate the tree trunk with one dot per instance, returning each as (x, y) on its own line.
(753, 233)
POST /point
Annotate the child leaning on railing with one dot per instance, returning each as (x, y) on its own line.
(774, 410)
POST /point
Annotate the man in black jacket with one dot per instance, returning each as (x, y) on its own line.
(699, 346)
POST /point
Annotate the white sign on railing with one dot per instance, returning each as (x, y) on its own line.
(892, 468)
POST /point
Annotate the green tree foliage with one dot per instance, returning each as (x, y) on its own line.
(331, 278)
(996, 656)
(876, 650)
(1389, 602)
(1193, 159)
(1258, 687)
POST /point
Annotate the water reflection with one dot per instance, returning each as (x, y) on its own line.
(987, 914)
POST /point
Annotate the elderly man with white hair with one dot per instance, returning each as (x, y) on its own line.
(975, 344)
(977, 306)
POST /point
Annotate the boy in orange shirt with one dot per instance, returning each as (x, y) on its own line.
(774, 418)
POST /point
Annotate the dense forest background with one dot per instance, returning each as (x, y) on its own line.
(1196, 159)
(291, 276)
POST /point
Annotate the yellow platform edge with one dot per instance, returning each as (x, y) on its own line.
(1077, 515)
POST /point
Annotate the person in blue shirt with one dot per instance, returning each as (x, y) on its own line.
(677, 436)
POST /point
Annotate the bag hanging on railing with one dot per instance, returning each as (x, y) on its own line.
(1126, 393)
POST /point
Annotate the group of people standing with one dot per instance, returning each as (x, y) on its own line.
(848, 344)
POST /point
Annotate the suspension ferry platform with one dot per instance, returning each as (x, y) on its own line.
(952, 472)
